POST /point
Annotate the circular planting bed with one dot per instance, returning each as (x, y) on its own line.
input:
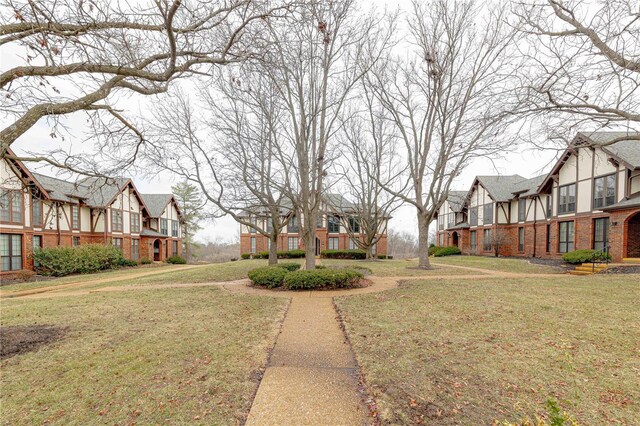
(288, 276)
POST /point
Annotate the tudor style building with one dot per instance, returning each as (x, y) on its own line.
(40, 211)
(336, 213)
(589, 200)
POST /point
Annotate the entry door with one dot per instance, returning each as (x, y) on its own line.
(317, 247)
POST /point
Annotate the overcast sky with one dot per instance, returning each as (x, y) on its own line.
(526, 162)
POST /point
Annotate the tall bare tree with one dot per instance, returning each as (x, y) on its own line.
(84, 56)
(315, 64)
(449, 103)
(583, 68)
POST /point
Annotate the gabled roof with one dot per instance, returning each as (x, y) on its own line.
(156, 203)
(528, 187)
(456, 200)
(500, 188)
(339, 203)
(633, 201)
(27, 176)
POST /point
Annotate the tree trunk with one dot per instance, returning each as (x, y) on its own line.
(369, 254)
(273, 250)
(310, 250)
(423, 242)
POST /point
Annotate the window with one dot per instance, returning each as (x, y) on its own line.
(354, 225)
(522, 209)
(600, 233)
(521, 239)
(253, 245)
(604, 191)
(548, 238)
(175, 247)
(486, 239)
(567, 199)
(487, 214)
(116, 220)
(319, 222)
(353, 245)
(334, 243)
(75, 217)
(37, 245)
(549, 204)
(117, 242)
(76, 241)
(164, 226)
(565, 235)
(293, 226)
(334, 224)
(174, 228)
(474, 240)
(440, 222)
(452, 219)
(11, 252)
(135, 249)
(293, 243)
(269, 224)
(473, 216)
(10, 206)
(135, 222)
(254, 224)
(36, 211)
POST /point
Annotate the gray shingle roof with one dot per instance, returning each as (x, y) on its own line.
(151, 233)
(627, 203)
(500, 187)
(156, 203)
(529, 186)
(456, 200)
(626, 150)
(95, 192)
(338, 202)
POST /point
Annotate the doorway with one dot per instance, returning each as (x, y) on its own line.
(317, 246)
(633, 236)
(454, 238)
(156, 250)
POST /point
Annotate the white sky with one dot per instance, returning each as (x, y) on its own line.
(527, 163)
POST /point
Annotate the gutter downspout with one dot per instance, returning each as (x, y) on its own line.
(535, 220)
(58, 223)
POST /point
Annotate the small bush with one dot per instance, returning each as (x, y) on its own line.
(268, 276)
(433, 249)
(581, 256)
(127, 262)
(261, 255)
(176, 260)
(146, 261)
(344, 254)
(384, 256)
(289, 266)
(291, 254)
(321, 278)
(60, 261)
(245, 256)
(447, 251)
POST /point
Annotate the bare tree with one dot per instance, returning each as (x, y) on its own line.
(583, 65)
(84, 56)
(315, 64)
(449, 103)
(401, 244)
(370, 163)
(230, 151)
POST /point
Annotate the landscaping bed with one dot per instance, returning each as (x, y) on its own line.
(289, 277)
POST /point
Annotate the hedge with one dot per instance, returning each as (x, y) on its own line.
(60, 261)
(384, 256)
(344, 254)
(289, 266)
(245, 256)
(433, 249)
(268, 276)
(321, 278)
(291, 254)
(447, 251)
(176, 260)
(581, 256)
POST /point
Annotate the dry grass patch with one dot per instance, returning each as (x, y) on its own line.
(396, 267)
(475, 352)
(192, 356)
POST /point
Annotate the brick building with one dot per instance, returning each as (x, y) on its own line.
(41, 211)
(336, 214)
(589, 200)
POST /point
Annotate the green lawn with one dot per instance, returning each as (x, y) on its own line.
(475, 352)
(189, 355)
(497, 264)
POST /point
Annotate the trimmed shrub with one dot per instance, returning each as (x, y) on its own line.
(127, 262)
(146, 261)
(581, 256)
(268, 276)
(291, 254)
(321, 278)
(433, 249)
(60, 261)
(344, 254)
(176, 260)
(384, 256)
(245, 256)
(447, 251)
(289, 266)
(261, 255)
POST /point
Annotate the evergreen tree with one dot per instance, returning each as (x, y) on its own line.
(190, 203)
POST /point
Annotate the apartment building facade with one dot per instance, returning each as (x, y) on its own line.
(589, 200)
(38, 211)
(336, 229)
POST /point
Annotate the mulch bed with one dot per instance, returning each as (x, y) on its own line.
(18, 339)
(622, 270)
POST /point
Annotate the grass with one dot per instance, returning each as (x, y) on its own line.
(191, 356)
(497, 264)
(483, 351)
(396, 267)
